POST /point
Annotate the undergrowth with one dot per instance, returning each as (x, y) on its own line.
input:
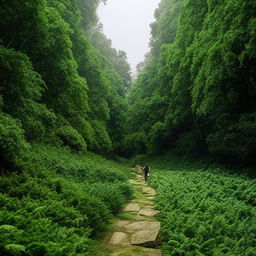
(205, 210)
(59, 202)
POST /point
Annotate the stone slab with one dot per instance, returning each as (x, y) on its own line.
(144, 203)
(148, 212)
(119, 238)
(149, 191)
(144, 225)
(145, 238)
(122, 223)
(132, 207)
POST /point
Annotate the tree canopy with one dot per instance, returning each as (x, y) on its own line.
(196, 93)
(61, 80)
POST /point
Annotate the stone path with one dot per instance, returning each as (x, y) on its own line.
(136, 232)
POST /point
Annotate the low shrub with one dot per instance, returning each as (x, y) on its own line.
(12, 141)
(71, 138)
(113, 194)
(205, 211)
(59, 202)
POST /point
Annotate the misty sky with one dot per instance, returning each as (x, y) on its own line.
(126, 23)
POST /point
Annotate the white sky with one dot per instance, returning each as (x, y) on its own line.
(126, 23)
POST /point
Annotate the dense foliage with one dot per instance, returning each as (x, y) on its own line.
(196, 93)
(56, 82)
(48, 209)
(205, 210)
(61, 94)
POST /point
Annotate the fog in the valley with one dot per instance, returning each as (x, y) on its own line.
(127, 24)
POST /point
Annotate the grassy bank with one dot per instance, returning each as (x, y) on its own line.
(59, 202)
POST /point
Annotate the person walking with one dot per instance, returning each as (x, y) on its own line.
(146, 170)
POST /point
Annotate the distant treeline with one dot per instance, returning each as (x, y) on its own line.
(196, 91)
(61, 81)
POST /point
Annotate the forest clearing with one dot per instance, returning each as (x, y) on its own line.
(76, 117)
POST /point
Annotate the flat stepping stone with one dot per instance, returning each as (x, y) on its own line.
(149, 190)
(122, 223)
(148, 212)
(145, 238)
(132, 207)
(144, 202)
(119, 238)
(144, 225)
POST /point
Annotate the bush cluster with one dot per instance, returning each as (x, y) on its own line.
(71, 138)
(12, 140)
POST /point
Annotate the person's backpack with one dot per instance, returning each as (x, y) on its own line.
(146, 169)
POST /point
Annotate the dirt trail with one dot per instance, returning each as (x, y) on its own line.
(136, 231)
